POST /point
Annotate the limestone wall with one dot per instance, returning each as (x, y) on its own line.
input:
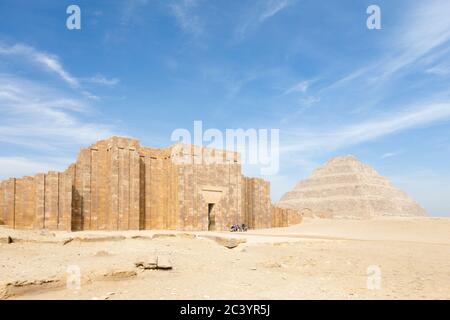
(107, 186)
(207, 177)
(116, 184)
(256, 203)
(282, 217)
(39, 202)
(158, 190)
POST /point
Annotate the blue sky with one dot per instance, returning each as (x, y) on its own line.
(310, 68)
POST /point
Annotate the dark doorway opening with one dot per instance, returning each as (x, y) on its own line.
(211, 217)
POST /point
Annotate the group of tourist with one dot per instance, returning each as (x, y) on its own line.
(239, 228)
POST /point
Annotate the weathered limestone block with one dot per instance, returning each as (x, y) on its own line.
(39, 222)
(65, 199)
(94, 188)
(257, 205)
(51, 205)
(113, 212)
(164, 263)
(25, 203)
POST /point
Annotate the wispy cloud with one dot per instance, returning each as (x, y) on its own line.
(44, 60)
(353, 134)
(184, 13)
(390, 154)
(439, 70)
(259, 13)
(272, 7)
(53, 64)
(299, 87)
(423, 35)
(102, 80)
(130, 10)
(37, 117)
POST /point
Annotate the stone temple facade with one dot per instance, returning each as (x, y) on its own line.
(346, 188)
(116, 184)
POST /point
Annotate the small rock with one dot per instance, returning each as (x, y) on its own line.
(102, 253)
(119, 274)
(149, 263)
(66, 241)
(187, 235)
(6, 239)
(139, 237)
(98, 238)
(164, 235)
(164, 263)
(273, 265)
(229, 243)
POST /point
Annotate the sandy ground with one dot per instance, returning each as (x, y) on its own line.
(391, 258)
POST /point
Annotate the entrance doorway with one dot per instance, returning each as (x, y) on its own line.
(211, 217)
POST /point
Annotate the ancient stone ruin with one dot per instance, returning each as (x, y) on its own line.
(345, 187)
(116, 184)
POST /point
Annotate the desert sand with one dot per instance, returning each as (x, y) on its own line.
(318, 259)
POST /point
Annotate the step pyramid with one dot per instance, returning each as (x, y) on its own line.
(346, 188)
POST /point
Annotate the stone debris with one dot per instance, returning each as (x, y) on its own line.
(186, 235)
(147, 264)
(119, 274)
(92, 238)
(155, 262)
(347, 188)
(139, 237)
(164, 235)
(18, 287)
(6, 239)
(229, 243)
(164, 263)
(102, 253)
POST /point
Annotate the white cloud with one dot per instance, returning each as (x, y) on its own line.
(423, 35)
(367, 131)
(259, 13)
(37, 117)
(309, 101)
(102, 80)
(272, 7)
(439, 70)
(44, 60)
(390, 154)
(299, 87)
(183, 12)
